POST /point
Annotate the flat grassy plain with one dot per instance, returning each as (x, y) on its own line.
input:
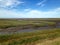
(4, 23)
(42, 37)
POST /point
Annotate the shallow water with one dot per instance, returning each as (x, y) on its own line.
(26, 30)
(29, 30)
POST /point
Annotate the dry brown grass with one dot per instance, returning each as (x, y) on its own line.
(50, 42)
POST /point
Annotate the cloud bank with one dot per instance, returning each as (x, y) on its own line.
(29, 13)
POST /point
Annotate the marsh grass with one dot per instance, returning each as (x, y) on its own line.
(23, 23)
(29, 38)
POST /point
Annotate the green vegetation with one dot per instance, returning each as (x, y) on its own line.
(30, 38)
(23, 23)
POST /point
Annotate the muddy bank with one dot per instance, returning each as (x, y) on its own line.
(14, 30)
(27, 28)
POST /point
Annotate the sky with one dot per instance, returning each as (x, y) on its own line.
(29, 8)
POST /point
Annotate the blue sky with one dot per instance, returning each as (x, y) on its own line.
(29, 8)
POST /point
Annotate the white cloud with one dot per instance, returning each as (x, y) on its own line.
(55, 13)
(42, 3)
(9, 3)
(47, 14)
(10, 14)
